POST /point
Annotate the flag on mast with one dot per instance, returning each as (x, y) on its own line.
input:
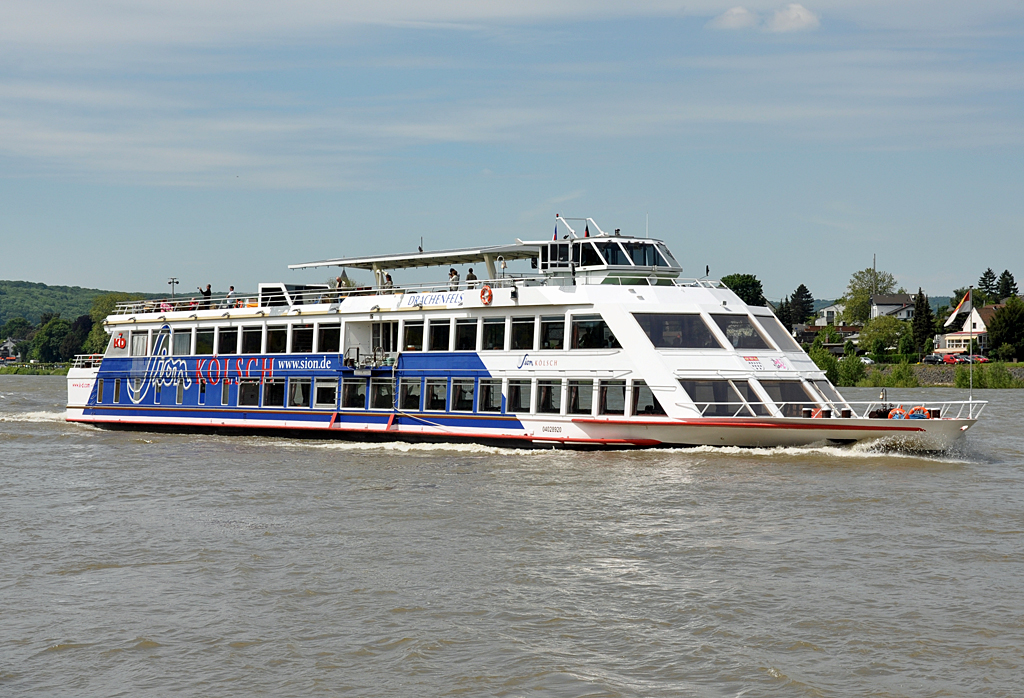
(555, 237)
(965, 306)
(586, 231)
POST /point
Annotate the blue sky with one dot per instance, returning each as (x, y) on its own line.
(220, 143)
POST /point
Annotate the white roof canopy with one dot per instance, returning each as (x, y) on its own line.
(441, 258)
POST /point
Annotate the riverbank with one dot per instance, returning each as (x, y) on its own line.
(33, 370)
(945, 376)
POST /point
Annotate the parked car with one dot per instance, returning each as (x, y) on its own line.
(932, 359)
(979, 359)
(867, 361)
(952, 359)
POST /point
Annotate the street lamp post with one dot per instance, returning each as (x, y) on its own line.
(173, 281)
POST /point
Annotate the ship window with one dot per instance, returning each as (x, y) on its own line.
(384, 336)
(273, 393)
(747, 392)
(549, 396)
(204, 342)
(413, 340)
(298, 392)
(490, 395)
(643, 254)
(669, 259)
(409, 394)
(612, 397)
(162, 343)
(791, 396)
(329, 339)
(465, 335)
(494, 333)
(586, 256)
(522, 333)
(202, 391)
(156, 393)
(248, 392)
(783, 339)
(99, 390)
(740, 332)
(182, 344)
(353, 393)
(715, 398)
(644, 401)
(830, 394)
(139, 343)
(225, 392)
(581, 397)
(302, 339)
(277, 339)
(613, 254)
(440, 333)
(117, 391)
(252, 340)
(552, 332)
(436, 397)
(382, 394)
(326, 392)
(677, 331)
(519, 392)
(227, 341)
(462, 394)
(592, 332)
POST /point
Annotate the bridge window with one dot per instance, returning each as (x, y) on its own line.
(409, 392)
(585, 255)
(325, 392)
(644, 401)
(302, 339)
(612, 397)
(519, 393)
(329, 339)
(465, 335)
(252, 340)
(490, 395)
(382, 394)
(667, 256)
(552, 332)
(413, 336)
(277, 339)
(440, 335)
(643, 254)
(353, 393)
(494, 334)
(463, 390)
(204, 342)
(227, 341)
(436, 395)
(522, 333)
(677, 331)
(740, 332)
(581, 397)
(613, 254)
(592, 332)
(298, 392)
(549, 396)
(783, 339)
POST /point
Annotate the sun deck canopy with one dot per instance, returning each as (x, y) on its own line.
(440, 258)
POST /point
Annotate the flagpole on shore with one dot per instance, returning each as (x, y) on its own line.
(970, 344)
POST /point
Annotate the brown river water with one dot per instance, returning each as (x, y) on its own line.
(137, 564)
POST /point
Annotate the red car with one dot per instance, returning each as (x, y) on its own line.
(954, 359)
(979, 359)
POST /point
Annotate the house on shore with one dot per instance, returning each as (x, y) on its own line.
(7, 352)
(897, 305)
(975, 326)
(828, 314)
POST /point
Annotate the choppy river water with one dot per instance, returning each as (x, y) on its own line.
(150, 564)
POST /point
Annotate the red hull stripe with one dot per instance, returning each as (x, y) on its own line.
(748, 425)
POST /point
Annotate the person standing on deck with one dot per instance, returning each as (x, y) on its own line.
(453, 279)
(206, 297)
(470, 278)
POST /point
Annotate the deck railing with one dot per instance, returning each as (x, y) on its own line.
(950, 409)
(87, 361)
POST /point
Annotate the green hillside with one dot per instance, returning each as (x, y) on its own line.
(30, 300)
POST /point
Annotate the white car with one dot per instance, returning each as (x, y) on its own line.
(866, 360)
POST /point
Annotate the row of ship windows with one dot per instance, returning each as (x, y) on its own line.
(485, 395)
(665, 330)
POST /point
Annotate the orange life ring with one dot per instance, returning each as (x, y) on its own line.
(897, 413)
(921, 410)
(486, 295)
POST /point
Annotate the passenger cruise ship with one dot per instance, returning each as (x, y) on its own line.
(601, 345)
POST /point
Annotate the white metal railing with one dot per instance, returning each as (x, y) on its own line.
(947, 409)
(87, 361)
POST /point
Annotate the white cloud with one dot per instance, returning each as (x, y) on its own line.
(792, 18)
(736, 18)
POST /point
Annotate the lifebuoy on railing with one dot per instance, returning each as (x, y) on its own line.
(897, 413)
(486, 295)
(919, 412)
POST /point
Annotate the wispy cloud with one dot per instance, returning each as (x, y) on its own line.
(734, 18)
(793, 18)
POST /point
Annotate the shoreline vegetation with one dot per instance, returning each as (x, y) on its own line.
(34, 370)
(986, 376)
